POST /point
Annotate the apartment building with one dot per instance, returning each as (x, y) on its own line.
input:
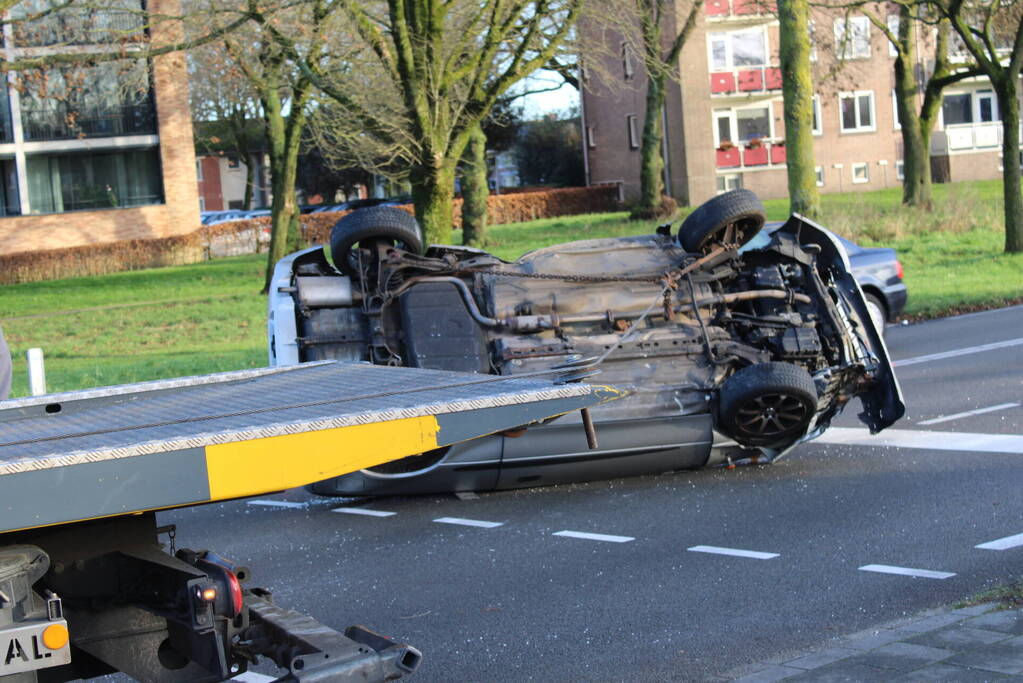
(92, 154)
(724, 125)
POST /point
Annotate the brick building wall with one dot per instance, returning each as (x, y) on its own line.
(179, 212)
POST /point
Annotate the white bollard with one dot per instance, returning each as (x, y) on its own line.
(36, 372)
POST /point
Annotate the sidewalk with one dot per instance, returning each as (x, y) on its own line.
(977, 643)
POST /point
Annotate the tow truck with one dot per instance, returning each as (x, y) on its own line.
(91, 584)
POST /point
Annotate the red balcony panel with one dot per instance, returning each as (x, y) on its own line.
(773, 78)
(751, 79)
(716, 7)
(754, 156)
(728, 158)
(721, 82)
(777, 154)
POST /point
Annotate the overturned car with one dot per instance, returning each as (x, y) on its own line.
(731, 341)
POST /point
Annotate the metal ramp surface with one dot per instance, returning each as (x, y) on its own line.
(171, 443)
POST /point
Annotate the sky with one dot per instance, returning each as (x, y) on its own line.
(538, 104)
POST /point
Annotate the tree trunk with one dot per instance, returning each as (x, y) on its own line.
(474, 189)
(797, 91)
(1008, 102)
(433, 187)
(651, 164)
(916, 182)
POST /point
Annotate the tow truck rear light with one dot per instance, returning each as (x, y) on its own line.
(234, 593)
(898, 269)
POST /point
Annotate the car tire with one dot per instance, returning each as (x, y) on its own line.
(767, 404)
(373, 223)
(878, 312)
(739, 212)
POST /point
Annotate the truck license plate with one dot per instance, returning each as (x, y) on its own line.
(23, 646)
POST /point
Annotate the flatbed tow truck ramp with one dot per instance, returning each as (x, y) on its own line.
(86, 587)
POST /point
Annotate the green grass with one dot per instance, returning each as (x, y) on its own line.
(209, 317)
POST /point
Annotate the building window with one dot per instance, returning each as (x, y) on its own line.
(742, 125)
(817, 119)
(971, 107)
(900, 170)
(198, 169)
(233, 162)
(857, 111)
(591, 138)
(627, 67)
(202, 204)
(861, 173)
(895, 110)
(737, 49)
(236, 204)
(893, 28)
(852, 38)
(119, 22)
(630, 121)
(10, 204)
(819, 173)
(93, 180)
(727, 183)
(812, 30)
(71, 102)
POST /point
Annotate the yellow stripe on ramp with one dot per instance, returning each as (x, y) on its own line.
(248, 468)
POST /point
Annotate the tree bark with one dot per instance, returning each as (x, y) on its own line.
(651, 164)
(474, 189)
(433, 187)
(916, 153)
(1008, 102)
(797, 92)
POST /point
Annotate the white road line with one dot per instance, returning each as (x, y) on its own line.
(906, 571)
(957, 352)
(365, 511)
(1002, 543)
(594, 537)
(935, 441)
(276, 503)
(735, 552)
(253, 677)
(968, 413)
(468, 522)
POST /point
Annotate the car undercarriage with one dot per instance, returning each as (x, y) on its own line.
(766, 345)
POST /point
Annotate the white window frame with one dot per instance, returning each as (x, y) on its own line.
(818, 130)
(733, 179)
(845, 49)
(818, 172)
(202, 203)
(198, 169)
(897, 125)
(729, 54)
(812, 29)
(865, 167)
(627, 67)
(975, 97)
(900, 170)
(630, 122)
(860, 128)
(591, 138)
(892, 20)
(733, 126)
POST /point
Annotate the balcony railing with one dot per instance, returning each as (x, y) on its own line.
(81, 27)
(722, 9)
(752, 154)
(748, 79)
(136, 119)
(962, 136)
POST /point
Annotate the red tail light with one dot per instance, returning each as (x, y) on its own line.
(235, 594)
(898, 269)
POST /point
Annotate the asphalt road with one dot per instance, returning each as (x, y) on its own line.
(516, 602)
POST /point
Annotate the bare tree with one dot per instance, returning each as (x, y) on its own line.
(992, 32)
(438, 67)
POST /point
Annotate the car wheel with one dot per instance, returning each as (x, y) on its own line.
(730, 218)
(878, 312)
(372, 224)
(767, 404)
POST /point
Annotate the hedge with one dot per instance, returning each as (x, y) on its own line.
(252, 235)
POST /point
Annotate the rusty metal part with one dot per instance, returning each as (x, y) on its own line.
(746, 296)
(591, 431)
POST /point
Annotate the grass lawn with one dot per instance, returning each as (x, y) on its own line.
(209, 317)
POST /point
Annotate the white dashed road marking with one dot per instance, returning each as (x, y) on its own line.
(968, 413)
(734, 552)
(906, 571)
(276, 503)
(937, 441)
(1002, 543)
(958, 352)
(594, 537)
(365, 511)
(468, 522)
